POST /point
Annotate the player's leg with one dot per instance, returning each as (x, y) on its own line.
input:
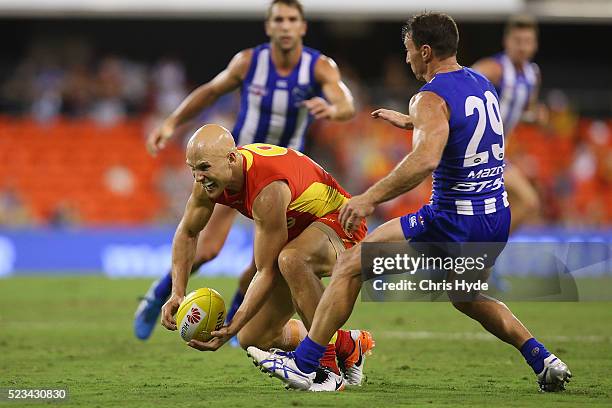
(498, 320)
(332, 312)
(302, 262)
(209, 245)
(337, 302)
(523, 198)
(271, 327)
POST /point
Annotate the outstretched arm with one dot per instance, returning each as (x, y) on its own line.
(197, 213)
(397, 119)
(430, 117)
(339, 104)
(202, 97)
(270, 216)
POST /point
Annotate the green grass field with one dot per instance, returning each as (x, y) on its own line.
(76, 332)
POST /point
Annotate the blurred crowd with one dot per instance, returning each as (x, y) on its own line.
(569, 159)
(69, 80)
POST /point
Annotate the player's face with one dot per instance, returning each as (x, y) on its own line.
(521, 44)
(212, 172)
(414, 59)
(285, 27)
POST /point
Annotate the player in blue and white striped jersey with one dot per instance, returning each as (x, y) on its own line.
(284, 86)
(517, 81)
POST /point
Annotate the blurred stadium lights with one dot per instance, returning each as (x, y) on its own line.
(570, 10)
(384, 9)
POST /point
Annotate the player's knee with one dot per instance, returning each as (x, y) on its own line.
(246, 338)
(291, 262)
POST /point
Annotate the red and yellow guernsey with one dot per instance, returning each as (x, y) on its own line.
(315, 194)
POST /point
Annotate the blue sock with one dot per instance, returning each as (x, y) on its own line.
(236, 302)
(534, 353)
(308, 354)
(164, 287)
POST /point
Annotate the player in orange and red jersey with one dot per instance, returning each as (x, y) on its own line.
(295, 206)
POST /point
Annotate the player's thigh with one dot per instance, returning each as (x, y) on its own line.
(217, 229)
(518, 186)
(268, 322)
(390, 231)
(349, 262)
(313, 250)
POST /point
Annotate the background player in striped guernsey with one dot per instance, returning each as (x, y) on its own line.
(284, 85)
(458, 136)
(517, 80)
(294, 203)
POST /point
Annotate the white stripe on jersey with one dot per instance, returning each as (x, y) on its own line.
(300, 128)
(489, 205)
(464, 207)
(280, 103)
(260, 78)
(304, 74)
(505, 198)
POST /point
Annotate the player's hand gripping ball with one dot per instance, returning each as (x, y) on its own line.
(202, 312)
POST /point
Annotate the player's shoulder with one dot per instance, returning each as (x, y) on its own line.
(325, 68)
(490, 67)
(241, 62)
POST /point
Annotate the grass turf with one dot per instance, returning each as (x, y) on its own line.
(76, 333)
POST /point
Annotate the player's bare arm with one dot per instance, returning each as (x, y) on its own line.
(339, 104)
(270, 217)
(430, 116)
(202, 97)
(490, 68)
(197, 213)
(397, 119)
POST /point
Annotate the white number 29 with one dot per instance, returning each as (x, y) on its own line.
(490, 110)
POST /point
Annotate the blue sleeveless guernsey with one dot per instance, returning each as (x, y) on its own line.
(468, 200)
(271, 108)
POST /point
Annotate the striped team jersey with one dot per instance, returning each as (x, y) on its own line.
(314, 192)
(270, 104)
(515, 90)
(469, 178)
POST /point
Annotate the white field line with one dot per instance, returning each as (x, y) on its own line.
(484, 336)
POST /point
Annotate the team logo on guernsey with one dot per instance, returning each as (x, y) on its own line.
(194, 316)
(258, 90)
(301, 93)
(413, 221)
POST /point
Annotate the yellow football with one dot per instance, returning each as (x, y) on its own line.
(202, 312)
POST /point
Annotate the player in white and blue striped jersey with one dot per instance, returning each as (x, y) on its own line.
(284, 86)
(517, 81)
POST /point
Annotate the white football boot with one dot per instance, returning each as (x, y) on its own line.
(281, 364)
(326, 380)
(554, 375)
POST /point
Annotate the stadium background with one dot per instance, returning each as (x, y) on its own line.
(79, 90)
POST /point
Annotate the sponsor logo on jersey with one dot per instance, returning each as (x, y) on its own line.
(258, 90)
